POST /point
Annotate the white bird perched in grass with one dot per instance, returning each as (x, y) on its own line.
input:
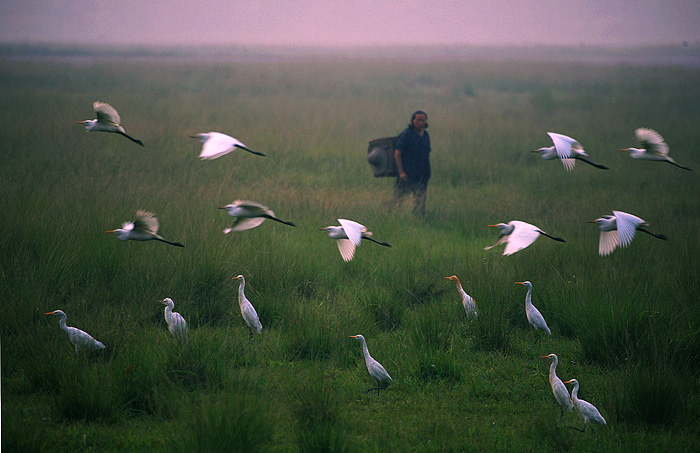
(619, 230)
(250, 316)
(588, 412)
(534, 317)
(348, 236)
(375, 369)
(467, 301)
(82, 341)
(567, 150)
(249, 214)
(176, 323)
(144, 228)
(651, 147)
(107, 120)
(518, 235)
(561, 394)
(216, 144)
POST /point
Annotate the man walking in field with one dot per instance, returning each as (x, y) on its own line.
(412, 157)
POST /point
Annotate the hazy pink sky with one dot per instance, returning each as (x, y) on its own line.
(351, 23)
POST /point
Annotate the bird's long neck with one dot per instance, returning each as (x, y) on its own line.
(528, 301)
(459, 285)
(574, 392)
(553, 370)
(62, 323)
(241, 292)
(168, 312)
(365, 351)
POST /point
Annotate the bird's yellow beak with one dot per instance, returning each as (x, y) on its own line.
(49, 313)
(493, 225)
(626, 149)
(567, 382)
(353, 336)
(221, 207)
(544, 357)
(519, 283)
(80, 122)
(110, 231)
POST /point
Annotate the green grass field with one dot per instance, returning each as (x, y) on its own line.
(627, 326)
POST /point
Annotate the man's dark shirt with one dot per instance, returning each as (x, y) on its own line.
(415, 154)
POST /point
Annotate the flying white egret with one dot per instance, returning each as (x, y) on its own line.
(375, 369)
(176, 323)
(567, 150)
(82, 341)
(619, 230)
(216, 144)
(517, 235)
(588, 412)
(561, 394)
(534, 317)
(249, 214)
(250, 316)
(107, 120)
(467, 301)
(144, 228)
(651, 147)
(348, 236)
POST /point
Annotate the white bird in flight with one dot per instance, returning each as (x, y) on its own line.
(249, 214)
(250, 316)
(144, 228)
(468, 302)
(107, 120)
(375, 369)
(561, 394)
(567, 150)
(619, 230)
(348, 236)
(588, 412)
(176, 323)
(517, 235)
(82, 341)
(651, 147)
(216, 144)
(534, 317)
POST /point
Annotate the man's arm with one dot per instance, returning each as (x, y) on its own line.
(399, 164)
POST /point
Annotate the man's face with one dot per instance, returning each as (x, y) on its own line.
(420, 121)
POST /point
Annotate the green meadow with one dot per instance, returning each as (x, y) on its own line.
(627, 326)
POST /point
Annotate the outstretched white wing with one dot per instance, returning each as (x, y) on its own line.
(353, 230)
(106, 113)
(146, 222)
(218, 145)
(627, 225)
(563, 145)
(652, 141)
(607, 242)
(346, 248)
(522, 236)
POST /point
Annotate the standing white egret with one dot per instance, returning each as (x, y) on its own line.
(651, 147)
(567, 150)
(619, 230)
(375, 369)
(250, 316)
(107, 120)
(144, 228)
(249, 214)
(468, 302)
(588, 412)
(517, 235)
(348, 236)
(82, 341)
(216, 144)
(176, 323)
(534, 317)
(561, 394)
